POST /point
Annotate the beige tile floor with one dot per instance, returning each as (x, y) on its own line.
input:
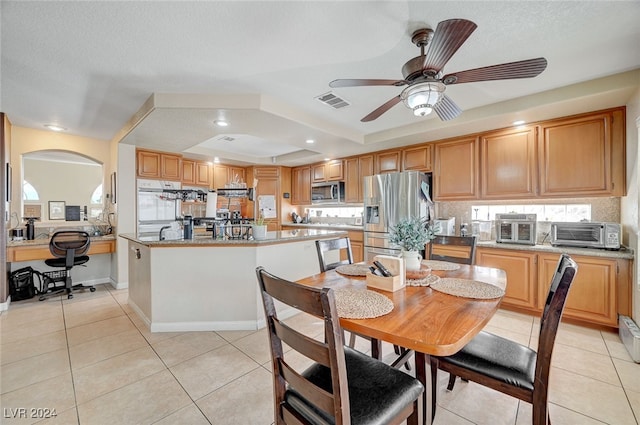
(93, 361)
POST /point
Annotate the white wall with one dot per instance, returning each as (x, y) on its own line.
(630, 216)
(126, 205)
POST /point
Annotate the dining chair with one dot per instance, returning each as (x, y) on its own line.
(507, 366)
(342, 247)
(455, 249)
(343, 385)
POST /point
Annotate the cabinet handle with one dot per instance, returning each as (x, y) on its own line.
(137, 251)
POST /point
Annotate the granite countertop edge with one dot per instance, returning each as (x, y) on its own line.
(274, 237)
(624, 253)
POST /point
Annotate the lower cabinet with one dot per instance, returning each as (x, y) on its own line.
(601, 289)
(592, 296)
(357, 245)
(521, 272)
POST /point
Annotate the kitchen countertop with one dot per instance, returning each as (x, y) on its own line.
(45, 241)
(283, 236)
(325, 226)
(625, 253)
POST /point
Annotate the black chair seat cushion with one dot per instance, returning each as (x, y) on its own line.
(61, 262)
(377, 392)
(498, 358)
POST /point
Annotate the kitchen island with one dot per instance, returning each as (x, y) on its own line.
(207, 284)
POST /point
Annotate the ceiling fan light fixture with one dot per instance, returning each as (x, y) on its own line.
(422, 97)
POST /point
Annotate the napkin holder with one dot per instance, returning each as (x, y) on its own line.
(393, 283)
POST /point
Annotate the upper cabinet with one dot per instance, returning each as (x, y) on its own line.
(456, 169)
(301, 185)
(355, 169)
(158, 165)
(388, 162)
(328, 171)
(195, 173)
(226, 174)
(583, 155)
(417, 159)
(508, 164)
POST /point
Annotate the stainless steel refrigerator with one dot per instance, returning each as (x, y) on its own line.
(389, 198)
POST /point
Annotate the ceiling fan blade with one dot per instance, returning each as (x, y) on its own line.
(448, 38)
(363, 82)
(382, 109)
(447, 109)
(522, 69)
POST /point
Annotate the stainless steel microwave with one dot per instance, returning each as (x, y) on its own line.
(327, 193)
(586, 234)
(516, 228)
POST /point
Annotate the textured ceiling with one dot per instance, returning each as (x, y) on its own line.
(91, 66)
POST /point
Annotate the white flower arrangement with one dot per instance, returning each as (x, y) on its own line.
(412, 233)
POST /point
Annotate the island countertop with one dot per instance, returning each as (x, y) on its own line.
(272, 238)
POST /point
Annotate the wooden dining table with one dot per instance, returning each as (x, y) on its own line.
(423, 320)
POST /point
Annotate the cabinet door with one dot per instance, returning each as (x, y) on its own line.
(333, 170)
(521, 272)
(301, 186)
(171, 167)
(418, 159)
(202, 174)
(148, 164)
(352, 180)
(508, 164)
(318, 173)
(387, 162)
(269, 186)
(456, 169)
(592, 296)
(237, 174)
(220, 176)
(576, 156)
(366, 167)
(188, 171)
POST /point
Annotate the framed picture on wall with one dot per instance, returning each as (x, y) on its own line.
(32, 210)
(56, 210)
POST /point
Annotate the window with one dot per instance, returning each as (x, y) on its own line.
(96, 197)
(29, 193)
(548, 212)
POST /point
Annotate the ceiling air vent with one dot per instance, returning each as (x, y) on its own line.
(332, 100)
(227, 138)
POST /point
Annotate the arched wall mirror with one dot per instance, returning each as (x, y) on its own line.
(58, 184)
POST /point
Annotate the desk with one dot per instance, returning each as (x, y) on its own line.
(424, 320)
(39, 249)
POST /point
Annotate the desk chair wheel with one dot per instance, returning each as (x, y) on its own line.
(92, 289)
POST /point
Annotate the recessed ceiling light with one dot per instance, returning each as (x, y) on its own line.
(221, 123)
(54, 127)
(310, 141)
(327, 159)
(216, 159)
(519, 122)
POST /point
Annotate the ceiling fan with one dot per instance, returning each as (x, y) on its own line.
(423, 74)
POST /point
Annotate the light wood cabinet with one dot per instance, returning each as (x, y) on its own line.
(355, 169)
(301, 185)
(600, 292)
(583, 155)
(158, 165)
(225, 174)
(202, 174)
(456, 170)
(268, 184)
(521, 269)
(188, 171)
(592, 296)
(508, 164)
(356, 238)
(417, 159)
(388, 162)
(328, 171)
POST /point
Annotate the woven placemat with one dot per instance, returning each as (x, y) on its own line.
(425, 281)
(467, 288)
(353, 269)
(361, 303)
(440, 265)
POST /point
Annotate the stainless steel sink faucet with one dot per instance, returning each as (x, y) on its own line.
(162, 229)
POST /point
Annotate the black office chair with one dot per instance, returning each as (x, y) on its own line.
(463, 251)
(342, 386)
(69, 247)
(507, 366)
